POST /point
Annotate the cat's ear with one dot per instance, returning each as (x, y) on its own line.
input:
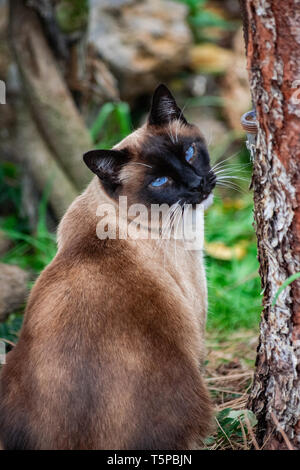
(106, 164)
(164, 108)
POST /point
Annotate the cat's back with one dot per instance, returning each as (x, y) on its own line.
(107, 357)
(101, 352)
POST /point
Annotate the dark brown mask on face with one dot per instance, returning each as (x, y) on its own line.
(165, 161)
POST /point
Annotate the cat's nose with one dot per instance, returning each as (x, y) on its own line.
(204, 183)
(197, 184)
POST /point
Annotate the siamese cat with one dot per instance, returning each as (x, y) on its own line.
(110, 352)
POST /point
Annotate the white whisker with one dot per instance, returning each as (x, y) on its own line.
(143, 164)
(225, 160)
(231, 177)
(166, 224)
(230, 186)
(171, 219)
(230, 170)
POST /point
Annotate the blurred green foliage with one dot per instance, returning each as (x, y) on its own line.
(10, 329)
(233, 284)
(72, 15)
(200, 19)
(31, 251)
(231, 264)
(111, 125)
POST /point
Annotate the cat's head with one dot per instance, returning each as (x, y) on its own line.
(165, 161)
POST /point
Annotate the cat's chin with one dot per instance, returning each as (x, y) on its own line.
(208, 201)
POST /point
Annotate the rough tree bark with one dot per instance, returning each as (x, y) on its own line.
(272, 34)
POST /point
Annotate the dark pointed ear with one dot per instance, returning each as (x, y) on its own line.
(164, 108)
(106, 164)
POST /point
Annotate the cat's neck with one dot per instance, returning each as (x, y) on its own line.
(81, 221)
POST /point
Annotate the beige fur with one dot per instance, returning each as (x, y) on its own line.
(111, 349)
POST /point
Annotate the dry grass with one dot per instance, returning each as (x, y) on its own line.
(229, 373)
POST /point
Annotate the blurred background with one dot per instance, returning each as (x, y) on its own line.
(80, 74)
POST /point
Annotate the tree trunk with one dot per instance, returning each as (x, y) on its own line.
(272, 34)
(33, 152)
(48, 96)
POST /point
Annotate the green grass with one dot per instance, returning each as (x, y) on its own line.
(232, 430)
(34, 251)
(203, 21)
(233, 284)
(111, 125)
(31, 251)
(10, 329)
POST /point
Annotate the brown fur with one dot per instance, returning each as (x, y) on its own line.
(110, 351)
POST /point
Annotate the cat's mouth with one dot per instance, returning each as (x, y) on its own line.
(202, 194)
(205, 199)
(208, 201)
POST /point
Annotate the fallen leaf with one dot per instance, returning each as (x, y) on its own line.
(219, 250)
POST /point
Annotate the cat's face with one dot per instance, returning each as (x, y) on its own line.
(165, 161)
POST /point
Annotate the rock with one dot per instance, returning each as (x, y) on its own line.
(213, 129)
(210, 58)
(101, 81)
(235, 87)
(13, 289)
(142, 42)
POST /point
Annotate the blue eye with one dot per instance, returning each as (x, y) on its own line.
(189, 153)
(159, 181)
